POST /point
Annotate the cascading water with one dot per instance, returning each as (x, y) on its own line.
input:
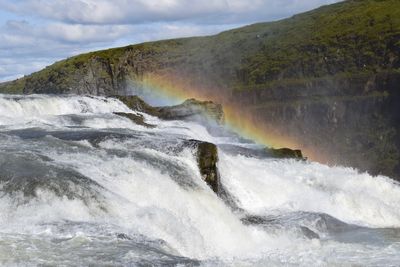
(83, 186)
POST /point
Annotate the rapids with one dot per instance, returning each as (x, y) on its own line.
(80, 185)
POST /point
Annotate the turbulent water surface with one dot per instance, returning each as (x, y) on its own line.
(82, 186)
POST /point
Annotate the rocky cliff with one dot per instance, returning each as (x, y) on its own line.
(350, 120)
(327, 78)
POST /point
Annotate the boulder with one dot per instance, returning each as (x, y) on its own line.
(207, 158)
(136, 118)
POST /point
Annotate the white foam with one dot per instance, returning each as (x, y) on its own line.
(194, 222)
(34, 106)
(140, 199)
(263, 186)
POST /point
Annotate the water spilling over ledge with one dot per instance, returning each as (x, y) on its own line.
(81, 184)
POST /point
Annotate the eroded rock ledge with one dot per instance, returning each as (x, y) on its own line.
(206, 153)
(190, 110)
(285, 153)
(193, 109)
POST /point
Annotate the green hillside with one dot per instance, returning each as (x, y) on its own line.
(357, 36)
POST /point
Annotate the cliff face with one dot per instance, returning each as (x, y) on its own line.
(351, 121)
(328, 78)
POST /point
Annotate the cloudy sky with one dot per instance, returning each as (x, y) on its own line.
(35, 33)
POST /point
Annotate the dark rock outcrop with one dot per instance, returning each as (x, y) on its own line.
(349, 121)
(190, 110)
(263, 153)
(285, 153)
(193, 109)
(136, 103)
(310, 234)
(136, 118)
(207, 158)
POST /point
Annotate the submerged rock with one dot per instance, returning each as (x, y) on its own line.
(285, 153)
(257, 220)
(26, 176)
(123, 236)
(207, 158)
(136, 118)
(310, 234)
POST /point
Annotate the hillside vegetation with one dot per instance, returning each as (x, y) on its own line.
(356, 36)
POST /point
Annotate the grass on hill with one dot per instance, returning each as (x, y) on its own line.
(350, 37)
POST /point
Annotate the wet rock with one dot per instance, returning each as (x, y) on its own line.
(123, 236)
(309, 233)
(285, 153)
(24, 176)
(136, 118)
(263, 152)
(257, 220)
(193, 109)
(207, 158)
(136, 103)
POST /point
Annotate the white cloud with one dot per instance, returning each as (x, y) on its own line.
(84, 33)
(141, 11)
(14, 68)
(21, 33)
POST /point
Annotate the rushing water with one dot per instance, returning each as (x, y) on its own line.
(82, 186)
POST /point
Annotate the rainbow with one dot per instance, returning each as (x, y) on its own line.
(178, 89)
